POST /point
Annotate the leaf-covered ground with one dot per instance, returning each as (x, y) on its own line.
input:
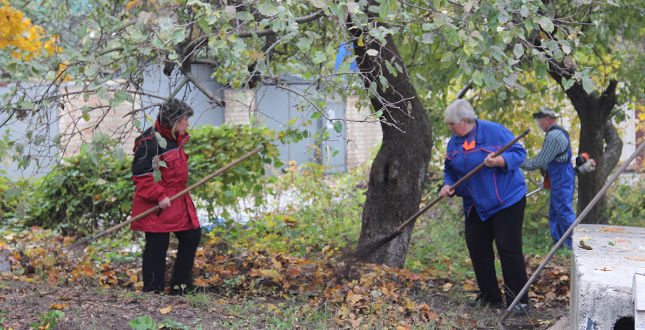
(52, 286)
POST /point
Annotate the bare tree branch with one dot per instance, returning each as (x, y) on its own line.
(465, 90)
(177, 89)
(105, 52)
(205, 61)
(190, 76)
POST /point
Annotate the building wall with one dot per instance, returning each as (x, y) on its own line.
(44, 122)
(276, 107)
(206, 113)
(363, 135)
(238, 111)
(116, 122)
(629, 134)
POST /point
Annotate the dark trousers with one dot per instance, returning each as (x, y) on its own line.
(154, 259)
(505, 228)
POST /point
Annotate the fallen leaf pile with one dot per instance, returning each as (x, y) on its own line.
(552, 284)
(358, 291)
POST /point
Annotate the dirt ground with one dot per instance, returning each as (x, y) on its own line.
(541, 316)
(92, 307)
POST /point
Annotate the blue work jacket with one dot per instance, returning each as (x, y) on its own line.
(492, 188)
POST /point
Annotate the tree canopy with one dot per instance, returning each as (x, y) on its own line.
(445, 44)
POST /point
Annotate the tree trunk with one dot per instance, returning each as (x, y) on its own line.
(397, 175)
(598, 138)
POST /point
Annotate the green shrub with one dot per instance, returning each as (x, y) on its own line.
(625, 204)
(8, 199)
(94, 189)
(15, 199)
(89, 191)
(324, 215)
(10, 190)
(211, 148)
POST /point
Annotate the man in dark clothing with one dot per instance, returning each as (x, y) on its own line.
(555, 160)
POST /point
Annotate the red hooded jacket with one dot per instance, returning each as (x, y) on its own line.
(181, 214)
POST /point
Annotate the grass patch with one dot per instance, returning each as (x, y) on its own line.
(200, 301)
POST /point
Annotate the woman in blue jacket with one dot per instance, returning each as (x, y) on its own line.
(494, 200)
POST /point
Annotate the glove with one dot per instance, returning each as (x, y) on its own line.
(586, 167)
(584, 164)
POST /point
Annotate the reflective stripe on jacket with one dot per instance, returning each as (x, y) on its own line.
(492, 188)
(181, 214)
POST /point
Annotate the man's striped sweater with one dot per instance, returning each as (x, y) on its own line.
(555, 143)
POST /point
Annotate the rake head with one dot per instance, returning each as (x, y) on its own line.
(365, 250)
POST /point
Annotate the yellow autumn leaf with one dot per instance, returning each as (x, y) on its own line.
(60, 306)
(276, 264)
(16, 30)
(605, 269)
(166, 310)
(447, 286)
(349, 296)
(272, 273)
(356, 298)
(469, 287)
(344, 311)
(384, 290)
(132, 4)
(256, 55)
(360, 41)
(635, 258)
(612, 230)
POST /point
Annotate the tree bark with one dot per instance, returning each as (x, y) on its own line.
(598, 138)
(613, 149)
(396, 179)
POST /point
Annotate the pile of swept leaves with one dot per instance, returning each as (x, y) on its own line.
(370, 295)
(553, 283)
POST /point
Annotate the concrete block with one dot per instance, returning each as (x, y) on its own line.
(602, 277)
(562, 324)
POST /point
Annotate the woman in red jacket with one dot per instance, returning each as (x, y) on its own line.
(178, 216)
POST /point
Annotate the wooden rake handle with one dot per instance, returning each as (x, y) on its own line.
(462, 180)
(179, 194)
